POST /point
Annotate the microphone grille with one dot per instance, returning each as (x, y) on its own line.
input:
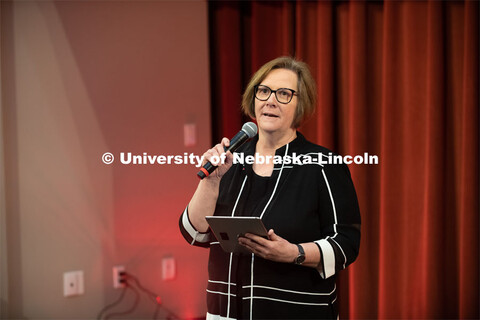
(250, 129)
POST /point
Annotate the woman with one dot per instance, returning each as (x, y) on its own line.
(310, 210)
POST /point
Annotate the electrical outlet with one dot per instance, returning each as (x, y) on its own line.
(189, 135)
(73, 283)
(168, 268)
(117, 277)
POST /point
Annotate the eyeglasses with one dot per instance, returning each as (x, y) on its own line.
(283, 95)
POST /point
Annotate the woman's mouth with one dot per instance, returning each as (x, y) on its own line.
(271, 115)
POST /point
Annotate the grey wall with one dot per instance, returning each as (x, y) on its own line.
(79, 79)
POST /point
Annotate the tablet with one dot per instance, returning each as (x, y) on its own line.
(228, 229)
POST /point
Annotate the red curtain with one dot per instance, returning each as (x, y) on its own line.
(397, 79)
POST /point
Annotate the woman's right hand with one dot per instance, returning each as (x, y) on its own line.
(218, 153)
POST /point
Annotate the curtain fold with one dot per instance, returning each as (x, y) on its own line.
(226, 68)
(396, 79)
(467, 184)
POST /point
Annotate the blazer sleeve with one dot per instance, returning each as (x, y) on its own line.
(340, 216)
(192, 235)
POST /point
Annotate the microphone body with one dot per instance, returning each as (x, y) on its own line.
(249, 130)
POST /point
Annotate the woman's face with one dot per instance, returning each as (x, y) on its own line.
(271, 115)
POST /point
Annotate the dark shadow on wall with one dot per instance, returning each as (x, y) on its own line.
(14, 305)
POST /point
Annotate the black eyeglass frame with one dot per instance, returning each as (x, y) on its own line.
(294, 93)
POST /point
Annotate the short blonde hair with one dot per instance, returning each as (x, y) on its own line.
(307, 89)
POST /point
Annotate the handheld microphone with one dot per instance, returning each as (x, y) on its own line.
(249, 130)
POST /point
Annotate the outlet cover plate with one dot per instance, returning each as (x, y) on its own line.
(168, 268)
(73, 283)
(116, 276)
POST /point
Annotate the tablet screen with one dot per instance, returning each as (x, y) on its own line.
(228, 229)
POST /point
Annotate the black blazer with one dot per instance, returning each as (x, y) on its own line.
(305, 200)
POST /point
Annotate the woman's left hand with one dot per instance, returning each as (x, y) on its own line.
(275, 248)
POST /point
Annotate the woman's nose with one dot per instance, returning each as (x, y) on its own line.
(272, 98)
